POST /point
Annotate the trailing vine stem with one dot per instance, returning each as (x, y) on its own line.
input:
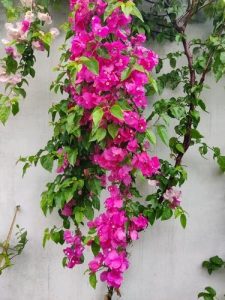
(109, 294)
(188, 54)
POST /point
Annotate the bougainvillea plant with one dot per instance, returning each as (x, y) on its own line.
(22, 39)
(101, 138)
(101, 141)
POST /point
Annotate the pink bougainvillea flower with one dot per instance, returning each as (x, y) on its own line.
(173, 196)
(110, 158)
(37, 45)
(74, 253)
(65, 163)
(99, 30)
(132, 145)
(67, 210)
(29, 16)
(146, 164)
(25, 26)
(12, 51)
(113, 278)
(96, 263)
(79, 44)
(11, 79)
(140, 222)
(45, 17)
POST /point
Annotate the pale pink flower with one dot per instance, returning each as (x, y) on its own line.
(54, 32)
(173, 196)
(37, 45)
(29, 16)
(45, 17)
(8, 78)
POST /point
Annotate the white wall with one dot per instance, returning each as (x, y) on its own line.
(165, 262)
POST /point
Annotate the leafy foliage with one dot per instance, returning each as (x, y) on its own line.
(213, 264)
(208, 294)
(19, 62)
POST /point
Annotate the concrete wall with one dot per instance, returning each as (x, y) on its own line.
(165, 262)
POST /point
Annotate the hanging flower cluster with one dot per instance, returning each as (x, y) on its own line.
(23, 38)
(110, 88)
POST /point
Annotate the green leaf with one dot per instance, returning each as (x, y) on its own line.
(202, 294)
(217, 260)
(99, 135)
(93, 280)
(91, 63)
(96, 202)
(113, 130)
(151, 214)
(126, 73)
(110, 8)
(183, 220)
(222, 57)
(163, 134)
(151, 136)
(195, 134)
(97, 115)
(47, 162)
(25, 167)
(103, 52)
(15, 107)
(79, 216)
(177, 111)
(89, 213)
(4, 113)
(136, 12)
(95, 248)
(70, 122)
(117, 111)
(153, 83)
(211, 291)
(180, 148)
(127, 8)
(72, 155)
(173, 62)
(11, 64)
(21, 47)
(166, 214)
(221, 163)
(56, 237)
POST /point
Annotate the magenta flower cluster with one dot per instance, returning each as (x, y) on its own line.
(74, 252)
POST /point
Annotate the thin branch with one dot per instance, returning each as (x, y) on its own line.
(207, 4)
(5, 245)
(12, 225)
(110, 294)
(207, 69)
